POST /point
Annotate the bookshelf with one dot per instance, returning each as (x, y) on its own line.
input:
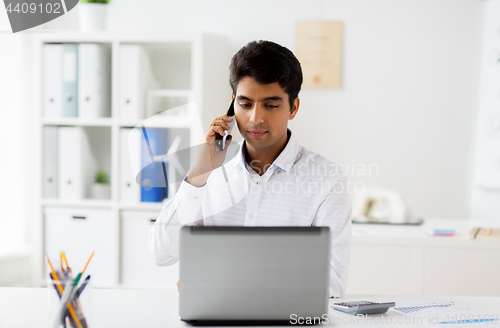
(192, 66)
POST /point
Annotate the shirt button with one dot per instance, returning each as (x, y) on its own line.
(250, 216)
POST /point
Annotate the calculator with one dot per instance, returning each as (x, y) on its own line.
(362, 307)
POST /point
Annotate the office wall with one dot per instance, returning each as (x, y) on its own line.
(485, 189)
(14, 154)
(408, 98)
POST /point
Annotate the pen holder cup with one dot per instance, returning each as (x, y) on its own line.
(80, 308)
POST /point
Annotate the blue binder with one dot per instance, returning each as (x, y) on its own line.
(154, 184)
(70, 80)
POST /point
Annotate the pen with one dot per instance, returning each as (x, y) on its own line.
(62, 262)
(58, 295)
(66, 296)
(77, 294)
(74, 292)
(60, 288)
(65, 261)
(69, 295)
(82, 287)
(75, 302)
(77, 279)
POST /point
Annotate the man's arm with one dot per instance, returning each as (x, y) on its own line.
(185, 208)
(335, 212)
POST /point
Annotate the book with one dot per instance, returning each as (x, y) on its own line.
(484, 233)
(154, 184)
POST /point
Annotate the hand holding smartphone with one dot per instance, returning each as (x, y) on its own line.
(221, 140)
(208, 157)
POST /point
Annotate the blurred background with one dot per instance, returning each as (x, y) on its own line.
(406, 124)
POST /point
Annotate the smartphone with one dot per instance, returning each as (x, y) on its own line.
(221, 140)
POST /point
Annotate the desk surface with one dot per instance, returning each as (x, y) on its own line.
(417, 235)
(27, 307)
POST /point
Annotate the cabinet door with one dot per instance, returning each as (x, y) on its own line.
(385, 270)
(471, 271)
(78, 233)
(137, 266)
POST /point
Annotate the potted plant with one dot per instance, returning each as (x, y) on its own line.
(101, 188)
(92, 14)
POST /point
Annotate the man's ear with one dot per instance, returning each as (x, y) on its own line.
(295, 108)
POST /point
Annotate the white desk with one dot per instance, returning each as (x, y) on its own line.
(403, 260)
(27, 307)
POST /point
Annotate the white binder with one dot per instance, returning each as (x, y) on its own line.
(76, 163)
(70, 80)
(130, 162)
(50, 180)
(52, 80)
(136, 78)
(94, 74)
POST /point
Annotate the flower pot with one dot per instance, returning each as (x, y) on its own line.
(92, 16)
(101, 191)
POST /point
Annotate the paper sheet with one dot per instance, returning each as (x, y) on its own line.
(319, 50)
(439, 313)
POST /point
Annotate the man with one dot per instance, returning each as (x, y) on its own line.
(272, 181)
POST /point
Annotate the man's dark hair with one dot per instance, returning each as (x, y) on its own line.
(267, 62)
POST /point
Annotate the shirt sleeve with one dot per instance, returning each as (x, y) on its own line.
(335, 212)
(183, 209)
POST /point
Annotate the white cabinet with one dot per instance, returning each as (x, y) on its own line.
(403, 260)
(137, 267)
(384, 269)
(78, 232)
(462, 271)
(191, 68)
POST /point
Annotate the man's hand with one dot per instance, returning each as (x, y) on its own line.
(219, 125)
(210, 156)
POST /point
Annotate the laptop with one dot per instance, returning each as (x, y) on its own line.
(253, 274)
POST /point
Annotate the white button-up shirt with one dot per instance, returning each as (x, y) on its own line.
(300, 188)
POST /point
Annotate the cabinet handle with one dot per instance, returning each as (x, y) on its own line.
(152, 220)
(79, 217)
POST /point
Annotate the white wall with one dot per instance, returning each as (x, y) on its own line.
(408, 98)
(485, 189)
(14, 155)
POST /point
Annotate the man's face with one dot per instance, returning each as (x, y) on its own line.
(262, 112)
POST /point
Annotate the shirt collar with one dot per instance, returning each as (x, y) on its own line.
(284, 160)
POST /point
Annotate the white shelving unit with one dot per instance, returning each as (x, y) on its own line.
(195, 65)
